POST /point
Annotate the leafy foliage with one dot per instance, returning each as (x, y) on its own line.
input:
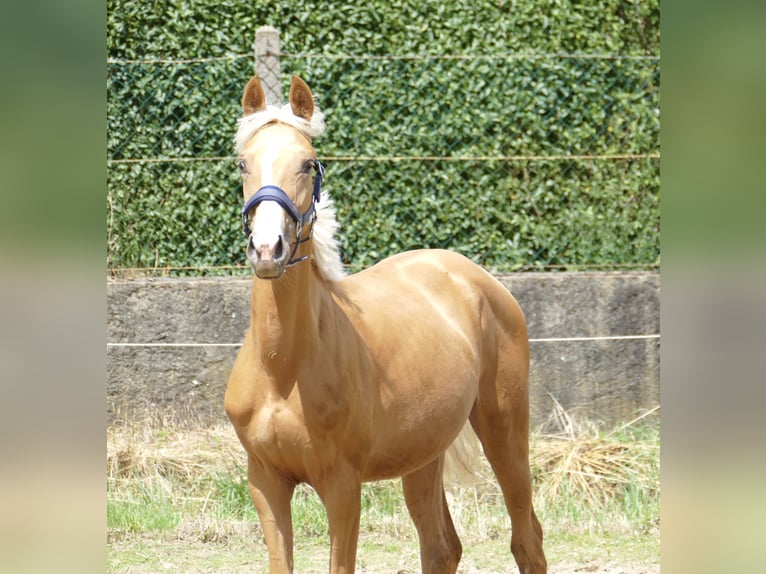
(513, 97)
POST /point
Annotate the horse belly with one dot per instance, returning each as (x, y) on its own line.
(404, 451)
(418, 420)
(429, 381)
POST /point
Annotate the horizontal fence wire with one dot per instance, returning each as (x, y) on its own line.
(519, 161)
(392, 57)
(531, 340)
(150, 61)
(115, 274)
(521, 56)
(411, 158)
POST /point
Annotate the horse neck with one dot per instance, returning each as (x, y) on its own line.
(282, 318)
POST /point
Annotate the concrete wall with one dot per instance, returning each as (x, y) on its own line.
(610, 380)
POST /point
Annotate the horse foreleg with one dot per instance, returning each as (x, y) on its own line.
(271, 494)
(440, 547)
(341, 492)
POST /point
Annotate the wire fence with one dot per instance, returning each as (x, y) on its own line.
(519, 161)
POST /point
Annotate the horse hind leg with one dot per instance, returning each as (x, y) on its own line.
(500, 419)
(440, 548)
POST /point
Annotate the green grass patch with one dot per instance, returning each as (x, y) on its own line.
(139, 507)
(178, 500)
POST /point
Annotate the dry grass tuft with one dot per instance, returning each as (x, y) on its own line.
(580, 461)
(583, 480)
(151, 450)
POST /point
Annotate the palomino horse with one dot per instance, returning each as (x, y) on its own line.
(342, 380)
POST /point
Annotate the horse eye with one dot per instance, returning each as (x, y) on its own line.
(308, 166)
(242, 166)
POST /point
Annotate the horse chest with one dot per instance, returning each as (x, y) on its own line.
(276, 433)
(297, 422)
(292, 433)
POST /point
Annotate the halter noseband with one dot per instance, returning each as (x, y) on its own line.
(277, 194)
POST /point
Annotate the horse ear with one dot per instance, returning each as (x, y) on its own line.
(253, 99)
(301, 100)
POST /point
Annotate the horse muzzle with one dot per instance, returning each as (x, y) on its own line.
(268, 258)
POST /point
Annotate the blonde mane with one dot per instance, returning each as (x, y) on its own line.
(325, 251)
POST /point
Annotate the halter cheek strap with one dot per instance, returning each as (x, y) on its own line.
(277, 194)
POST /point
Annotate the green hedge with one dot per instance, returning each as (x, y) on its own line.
(504, 214)
(207, 28)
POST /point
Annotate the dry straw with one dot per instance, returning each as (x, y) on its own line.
(578, 460)
(153, 449)
(569, 458)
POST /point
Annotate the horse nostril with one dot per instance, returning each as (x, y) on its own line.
(278, 248)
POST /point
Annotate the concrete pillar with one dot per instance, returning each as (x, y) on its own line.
(267, 63)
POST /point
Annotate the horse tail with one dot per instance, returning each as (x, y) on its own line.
(461, 460)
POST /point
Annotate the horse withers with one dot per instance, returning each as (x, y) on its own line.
(346, 379)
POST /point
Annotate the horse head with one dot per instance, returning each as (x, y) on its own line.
(278, 161)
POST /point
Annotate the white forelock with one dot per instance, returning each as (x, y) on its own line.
(248, 125)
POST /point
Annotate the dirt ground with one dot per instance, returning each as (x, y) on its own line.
(235, 555)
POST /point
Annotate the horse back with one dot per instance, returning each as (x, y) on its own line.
(416, 284)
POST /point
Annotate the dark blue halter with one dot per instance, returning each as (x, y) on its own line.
(277, 194)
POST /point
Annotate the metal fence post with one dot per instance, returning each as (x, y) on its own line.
(267, 64)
